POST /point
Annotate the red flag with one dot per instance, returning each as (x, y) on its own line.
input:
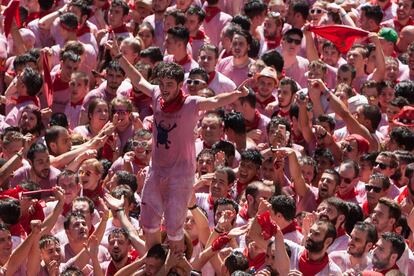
(47, 85)
(342, 36)
(12, 11)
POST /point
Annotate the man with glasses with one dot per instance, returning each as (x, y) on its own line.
(295, 66)
(349, 173)
(387, 164)
(376, 188)
(197, 80)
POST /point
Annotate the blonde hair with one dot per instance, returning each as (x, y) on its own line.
(93, 162)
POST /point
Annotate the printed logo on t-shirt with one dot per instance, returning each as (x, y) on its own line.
(162, 133)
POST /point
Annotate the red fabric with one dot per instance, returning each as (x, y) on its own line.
(37, 215)
(200, 35)
(363, 144)
(243, 212)
(23, 99)
(139, 162)
(256, 262)
(211, 12)
(264, 103)
(10, 13)
(183, 61)
(194, 242)
(342, 36)
(80, 102)
(309, 267)
(273, 44)
(95, 194)
(118, 30)
(226, 54)
(350, 195)
(111, 270)
(59, 84)
(13, 193)
(365, 208)
(398, 26)
(48, 84)
(340, 232)
(107, 152)
(210, 202)
(255, 123)
(240, 187)
(293, 226)
(268, 226)
(83, 30)
(211, 76)
(17, 230)
(402, 195)
(175, 104)
(66, 209)
(30, 17)
(220, 242)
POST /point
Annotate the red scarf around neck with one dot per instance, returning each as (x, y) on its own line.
(256, 262)
(264, 103)
(365, 208)
(293, 226)
(340, 232)
(309, 267)
(17, 230)
(22, 99)
(200, 35)
(211, 76)
(95, 194)
(349, 195)
(211, 12)
(255, 123)
(402, 195)
(183, 61)
(243, 212)
(398, 26)
(58, 84)
(111, 270)
(240, 187)
(273, 44)
(78, 103)
(83, 30)
(118, 30)
(66, 209)
(174, 105)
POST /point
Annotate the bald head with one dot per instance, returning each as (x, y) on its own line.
(405, 38)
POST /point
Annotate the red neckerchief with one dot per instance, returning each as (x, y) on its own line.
(195, 242)
(282, 113)
(17, 230)
(257, 262)
(240, 187)
(66, 209)
(211, 76)
(37, 215)
(309, 267)
(175, 105)
(139, 162)
(58, 84)
(292, 227)
(349, 195)
(265, 102)
(273, 44)
(95, 194)
(111, 270)
(107, 152)
(340, 232)
(210, 202)
(211, 12)
(365, 208)
(183, 61)
(121, 29)
(200, 35)
(383, 272)
(243, 212)
(30, 17)
(83, 30)
(74, 105)
(226, 54)
(402, 195)
(398, 26)
(22, 99)
(255, 123)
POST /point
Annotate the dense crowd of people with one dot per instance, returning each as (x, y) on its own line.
(180, 137)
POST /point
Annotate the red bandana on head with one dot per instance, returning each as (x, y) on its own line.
(342, 36)
(256, 262)
(174, 105)
(255, 123)
(309, 267)
(211, 12)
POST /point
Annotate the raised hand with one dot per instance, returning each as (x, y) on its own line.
(113, 202)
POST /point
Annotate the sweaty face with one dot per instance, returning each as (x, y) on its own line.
(205, 164)
(28, 122)
(118, 247)
(356, 246)
(41, 165)
(78, 230)
(327, 186)
(247, 171)
(315, 239)
(328, 212)
(51, 252)
(190, 226)
(239, 46)
(330, 56)
(114, 79)
(115, 16)
(380, 217)
(211, 130)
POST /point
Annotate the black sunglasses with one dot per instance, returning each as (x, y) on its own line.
(296, 41)
(346, 180)
(382, 166)
(347, 147)
(370, 188)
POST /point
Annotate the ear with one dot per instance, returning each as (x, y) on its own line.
(250, 199)
(341, 219)
(180, 84)
(53, 146)
(391, 222)
(368, 246)
(328, 242)
(393, 258)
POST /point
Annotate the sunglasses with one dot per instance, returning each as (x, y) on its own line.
(382, 166)
(346, 180)
(316, 11)
(195, 82)
(140, 144)
(375, 189)
(296, 41)
(347, 147)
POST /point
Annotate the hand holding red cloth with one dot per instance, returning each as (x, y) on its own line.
(269, 227)
(11, 12)
(220, 243)
(342, 36)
